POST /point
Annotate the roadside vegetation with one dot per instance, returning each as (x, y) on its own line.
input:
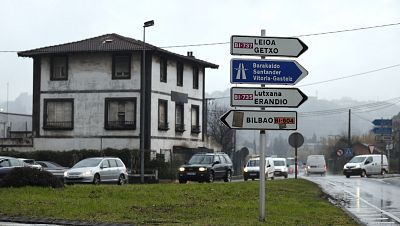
(289, 202)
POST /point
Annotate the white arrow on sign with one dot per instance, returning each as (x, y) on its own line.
(260, 120)
(267, 46)
(267, 97)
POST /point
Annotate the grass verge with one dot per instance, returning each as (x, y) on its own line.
(289, 202)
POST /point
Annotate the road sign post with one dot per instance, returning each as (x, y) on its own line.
(296, 140)
(261, 71)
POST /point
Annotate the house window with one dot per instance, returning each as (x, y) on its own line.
(59, 68)
(163, 70)
(179, 74)
(120, 113)
(179, 125)
(121, 67)
(195, 119)
(58, 114)
(195, 77)
(163, 115)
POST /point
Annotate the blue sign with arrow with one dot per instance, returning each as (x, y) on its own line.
(382, 130)
(261, 71)
(382, 122)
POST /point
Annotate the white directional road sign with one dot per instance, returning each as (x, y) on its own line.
(266, 97)
(260, 120)
(267, 46)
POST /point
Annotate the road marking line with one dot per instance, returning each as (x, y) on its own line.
(383, 211)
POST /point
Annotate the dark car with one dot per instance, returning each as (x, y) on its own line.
(7, 164)
(206, 167)
(52, 167)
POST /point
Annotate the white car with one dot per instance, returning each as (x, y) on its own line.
(365, 165)
(281, 168)
(31, 163)
(316, 165)
(96, 171)
(252, 168)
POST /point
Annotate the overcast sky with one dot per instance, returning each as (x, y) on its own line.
(31, 24)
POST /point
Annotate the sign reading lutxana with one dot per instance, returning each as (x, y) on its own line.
(267, 46)
(266, 97)
(261, 71)
(260, 120)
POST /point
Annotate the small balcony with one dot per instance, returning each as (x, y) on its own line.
(196, 129)
(180, 128)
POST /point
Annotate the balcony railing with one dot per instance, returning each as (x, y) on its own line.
(195, 129)
(58, 125)
(121, 124)
(163, 126)
(180, 127)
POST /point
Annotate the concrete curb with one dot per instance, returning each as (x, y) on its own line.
(26, 220)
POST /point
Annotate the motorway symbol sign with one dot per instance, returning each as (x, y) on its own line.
(261, 71)
(382, 122)
(382, 130)
(260, 120)
(267, 46)
(266, 97)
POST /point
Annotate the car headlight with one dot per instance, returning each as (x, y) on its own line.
(308, 167)
(245, 169)
(65, 174)
(357, 166)
(181, 169)
(87, 174)
(201, 169)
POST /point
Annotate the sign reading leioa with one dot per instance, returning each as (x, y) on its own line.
(267, 46)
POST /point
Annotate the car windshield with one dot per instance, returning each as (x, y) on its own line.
(201, 159)
(357, 159)
(29, 161)
(253, 163)
(87, 163)
(279, 163)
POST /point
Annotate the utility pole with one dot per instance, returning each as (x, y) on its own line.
(349, 130)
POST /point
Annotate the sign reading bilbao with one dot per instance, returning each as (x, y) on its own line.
(257, 120)
(267, 46)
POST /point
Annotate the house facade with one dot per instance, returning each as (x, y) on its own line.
(87, 95)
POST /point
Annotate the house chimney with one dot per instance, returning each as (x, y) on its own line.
(190, 54)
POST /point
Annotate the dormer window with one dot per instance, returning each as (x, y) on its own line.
(121, 67)
(59, 68)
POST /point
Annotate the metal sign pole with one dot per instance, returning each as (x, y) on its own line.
(263, 139)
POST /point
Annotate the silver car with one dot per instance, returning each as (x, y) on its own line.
(96, 171)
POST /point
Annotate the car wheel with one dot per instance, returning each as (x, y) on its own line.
(228, 176)
(272, 178)
(96, 179)
(347, 176)
(245, 179)
(121, 180)
(210, 177)
(182, 181)
(363, 173)
(383, 172)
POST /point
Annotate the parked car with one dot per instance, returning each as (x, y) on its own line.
(280, 167)
(366, 165)
(292, 166)
(31, 163)
(206, 167)
(315, 165)
(252, 168)
(7, 164)
(52, 167)
(96, 171)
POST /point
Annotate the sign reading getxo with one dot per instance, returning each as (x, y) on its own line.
(267, 97)
(267, 46)
(260, 120)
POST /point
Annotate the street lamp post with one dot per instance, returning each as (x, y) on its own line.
(143, 100)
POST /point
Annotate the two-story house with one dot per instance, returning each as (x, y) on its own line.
(86, 95)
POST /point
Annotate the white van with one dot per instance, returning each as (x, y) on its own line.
(281, 168)
(315, 165)
(252, 168)
(365, 165)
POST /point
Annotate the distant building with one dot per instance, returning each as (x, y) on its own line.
(86, 95)
(15, 125)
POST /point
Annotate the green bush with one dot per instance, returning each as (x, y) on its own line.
(25, 176)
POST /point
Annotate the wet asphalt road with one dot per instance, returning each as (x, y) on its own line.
(373, 201)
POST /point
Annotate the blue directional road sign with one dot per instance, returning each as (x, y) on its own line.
(260, 71)
(382, 122)
(383, 130)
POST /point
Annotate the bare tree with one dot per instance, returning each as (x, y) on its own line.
(217, 130)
